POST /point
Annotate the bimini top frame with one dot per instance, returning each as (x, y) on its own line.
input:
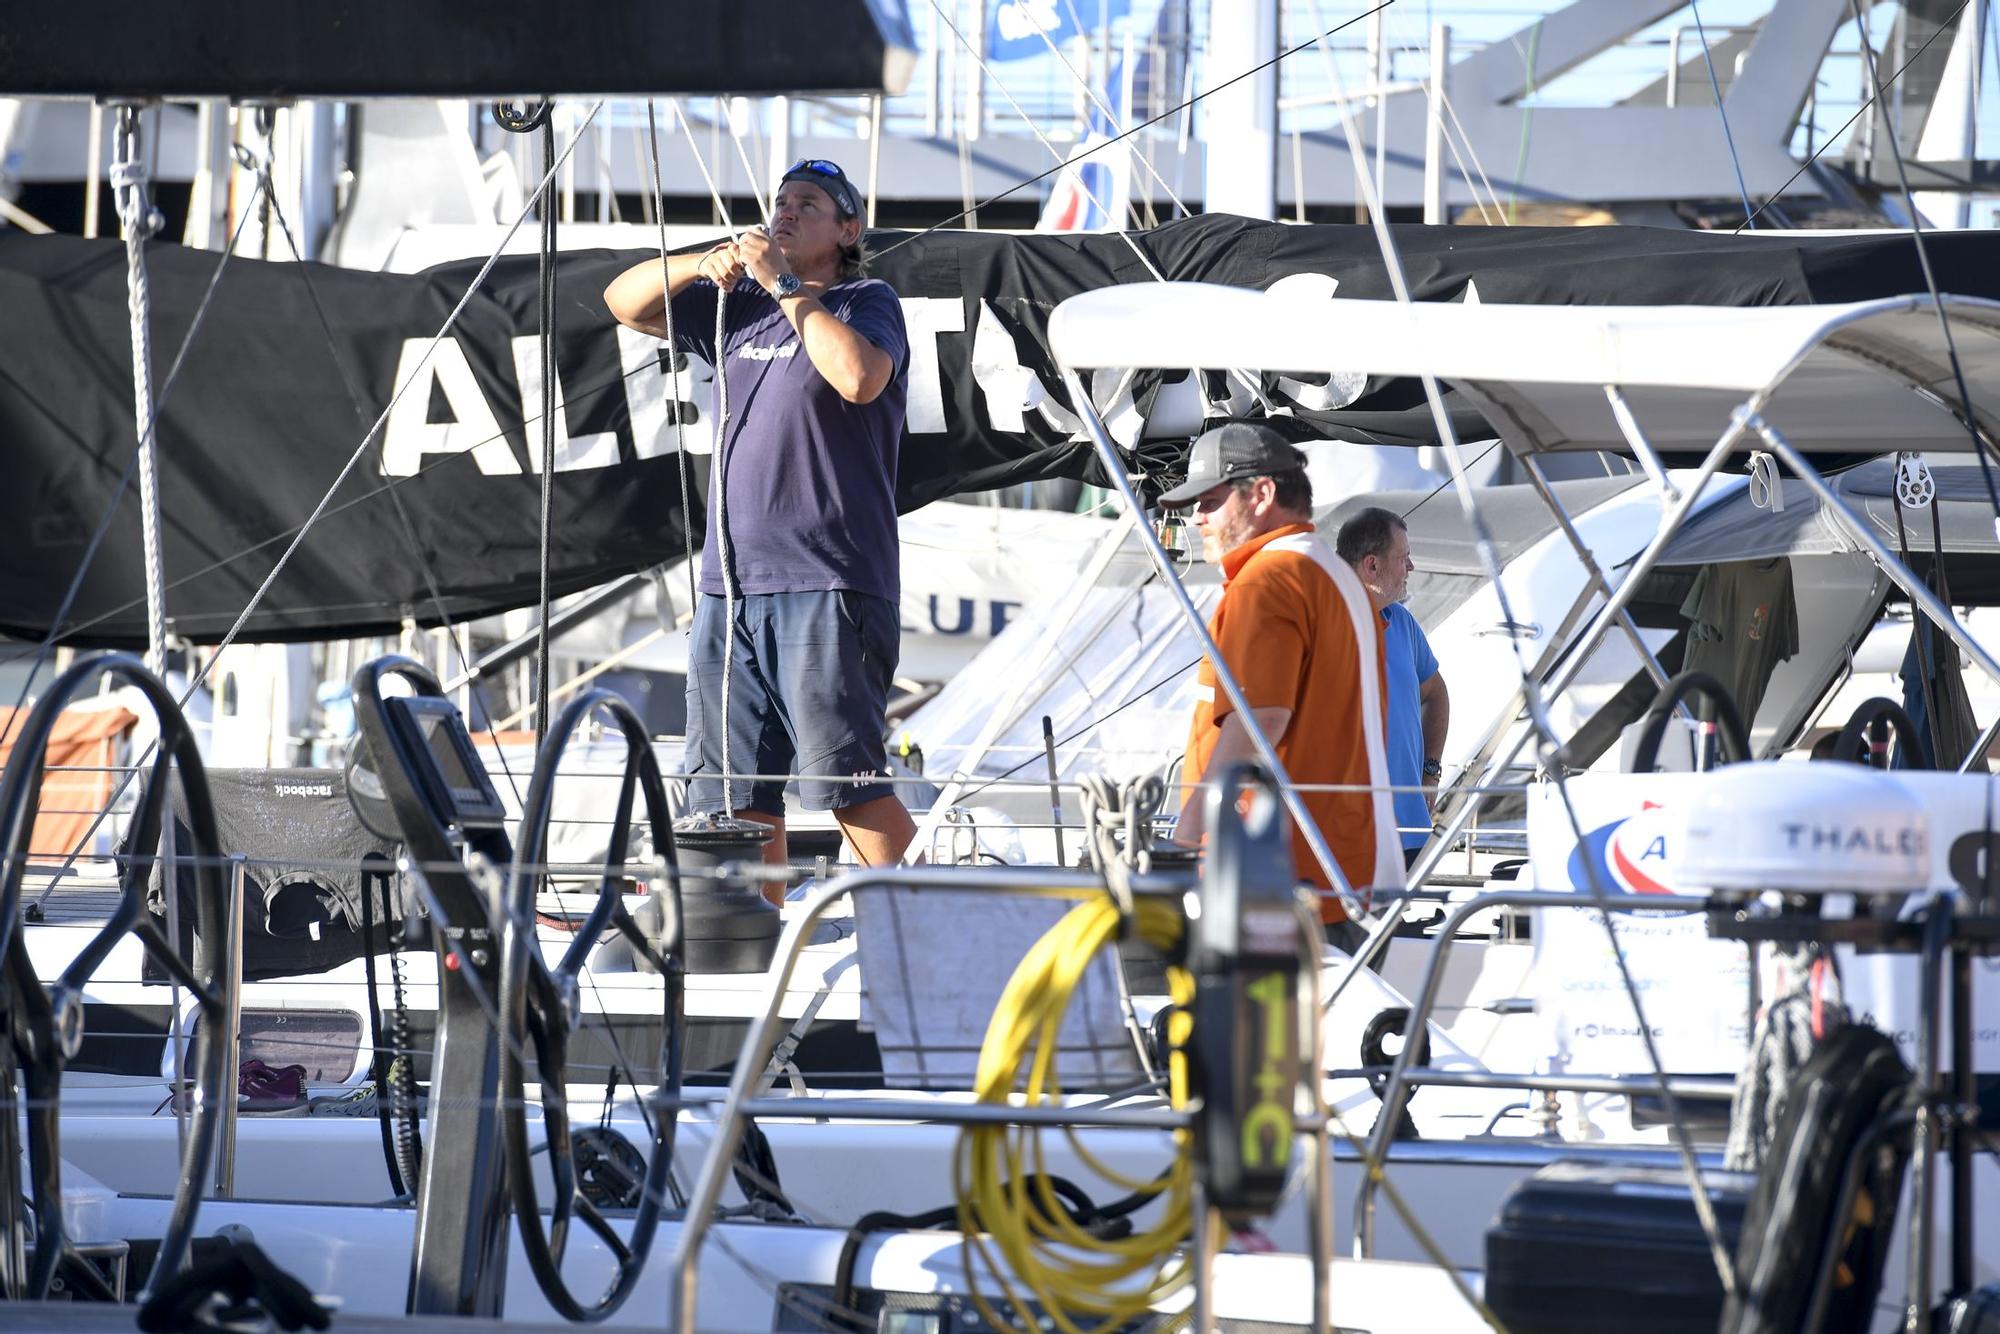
(1865, 377)
(1868, 377)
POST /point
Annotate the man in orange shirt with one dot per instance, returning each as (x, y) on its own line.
(1302, 639)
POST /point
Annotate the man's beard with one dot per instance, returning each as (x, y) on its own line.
(1225, 537)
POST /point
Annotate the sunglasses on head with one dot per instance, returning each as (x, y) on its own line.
(837, 184)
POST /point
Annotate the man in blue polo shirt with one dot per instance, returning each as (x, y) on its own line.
(803, 538)
(1376, 543)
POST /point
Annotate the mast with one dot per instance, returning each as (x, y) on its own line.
(1242, 179)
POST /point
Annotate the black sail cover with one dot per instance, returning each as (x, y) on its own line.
(436, 515)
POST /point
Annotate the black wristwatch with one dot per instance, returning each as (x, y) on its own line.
(788, 284)
(1433, 768)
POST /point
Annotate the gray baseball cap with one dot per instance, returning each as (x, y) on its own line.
(1230, 453)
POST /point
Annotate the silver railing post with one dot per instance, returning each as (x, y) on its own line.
(1920, 1292)
(1642, 448)
(231, 1036)
(1308, 828)
(1319, 1219)
(1620, 598)
(755, 1055)
(741, 1101)
(170, 877)
(1396, 1094)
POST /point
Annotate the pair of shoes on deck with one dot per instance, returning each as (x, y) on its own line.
(267, 1089)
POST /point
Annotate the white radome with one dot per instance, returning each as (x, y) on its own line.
(1817, 828)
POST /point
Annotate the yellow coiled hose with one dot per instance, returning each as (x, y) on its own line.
(1015, 1225)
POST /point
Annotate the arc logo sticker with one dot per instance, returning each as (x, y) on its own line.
(1633, 854)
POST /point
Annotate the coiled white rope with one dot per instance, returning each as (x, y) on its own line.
(135, 217)
(1111, 809)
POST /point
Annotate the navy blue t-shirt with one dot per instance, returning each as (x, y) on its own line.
(811, 478)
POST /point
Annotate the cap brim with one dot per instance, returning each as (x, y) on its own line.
(1186, 494)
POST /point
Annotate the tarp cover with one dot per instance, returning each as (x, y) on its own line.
(1739, 530)
(265, 414)
(1736, 529)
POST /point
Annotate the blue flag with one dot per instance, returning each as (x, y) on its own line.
(1017, 24)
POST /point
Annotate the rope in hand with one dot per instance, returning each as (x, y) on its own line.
(676, 360)
(724, 558)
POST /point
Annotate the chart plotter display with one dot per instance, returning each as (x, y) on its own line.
(449, 767)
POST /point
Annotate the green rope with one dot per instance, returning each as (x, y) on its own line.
(1527, 122)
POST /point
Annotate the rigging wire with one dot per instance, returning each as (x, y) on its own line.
(675, 357)
(1429, 495)
(1531, 695)
(97, 536)
(545, 285)
(1715, 87)
(1497, 217)
(1174, 110)
(417, 372)
(1110, 116)
(1527, 121)
(198, 677)
(750, 173)
(263, 171)
(618, 379)
(1035, 129)
(1208, 404)
(1967, 413)
(1879, 90)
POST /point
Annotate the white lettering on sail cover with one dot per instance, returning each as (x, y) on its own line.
(409, 434)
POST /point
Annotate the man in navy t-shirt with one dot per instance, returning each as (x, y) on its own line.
(1376, 543)
(803, 539)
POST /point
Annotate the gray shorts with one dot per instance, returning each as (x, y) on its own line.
(807, 693)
